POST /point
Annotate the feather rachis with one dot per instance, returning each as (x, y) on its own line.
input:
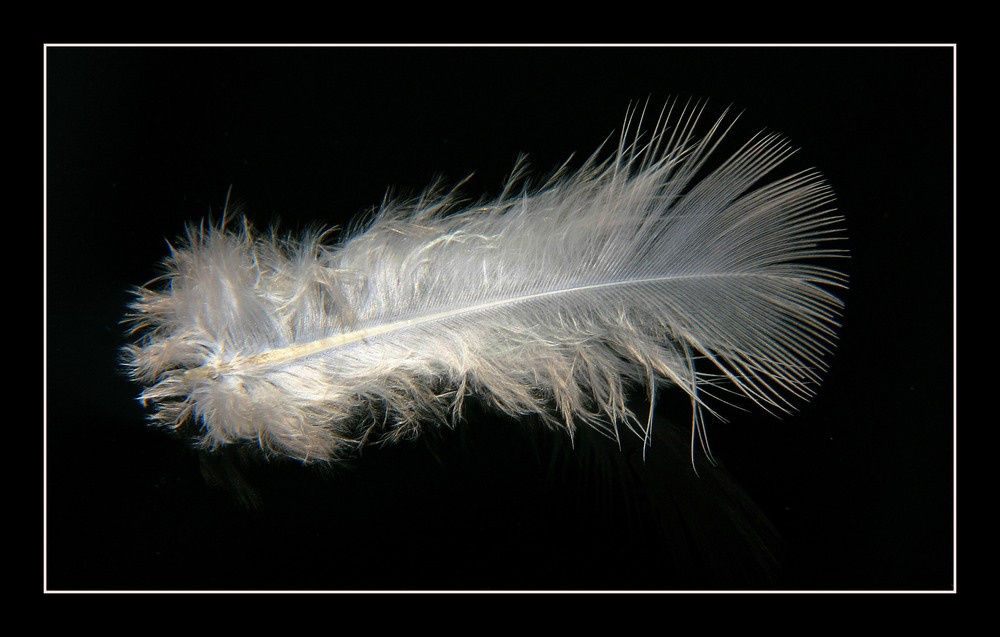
(553, 301)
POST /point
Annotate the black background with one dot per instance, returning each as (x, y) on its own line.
(858, 484)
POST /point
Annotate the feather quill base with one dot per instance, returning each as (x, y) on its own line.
(643, 270)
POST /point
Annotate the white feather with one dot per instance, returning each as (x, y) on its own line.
(553, 301)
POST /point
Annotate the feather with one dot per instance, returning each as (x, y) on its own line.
(644, 270)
